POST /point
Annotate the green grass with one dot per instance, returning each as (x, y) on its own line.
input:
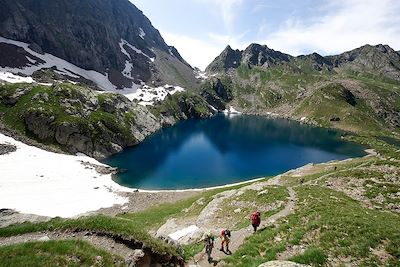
(108, 225)
(56, 253)
(331, 101)
(344, 227)
(251, 201)
(189, 251)
(312, 256)
(154, 217)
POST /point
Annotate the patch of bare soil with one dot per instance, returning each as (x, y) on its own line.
(352, 187)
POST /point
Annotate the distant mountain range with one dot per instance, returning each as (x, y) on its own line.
(379, 59)
(358, 90)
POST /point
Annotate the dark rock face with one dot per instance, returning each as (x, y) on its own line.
(6, 149)
(334, 118)
(379, 59)
(217, 94)
(317, 61)
(253, 55)
(89, 34)
(261, 55)
(40, 123)
(228, 59)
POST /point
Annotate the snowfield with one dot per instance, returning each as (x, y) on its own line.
(63, 67)
(147, 96)
(39, 182)
(13, 78)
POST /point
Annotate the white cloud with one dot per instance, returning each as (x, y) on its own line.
(338, 26)
(197, 52)
(227, 8)
(200, 53)
(350, 24)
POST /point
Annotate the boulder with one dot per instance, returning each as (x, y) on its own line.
(334, 118)
(39, 123)
(14, 98)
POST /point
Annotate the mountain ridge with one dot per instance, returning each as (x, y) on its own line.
(332, 61)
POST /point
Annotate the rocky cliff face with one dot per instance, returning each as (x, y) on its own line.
(379, 59)
(111, 37)
(253, 55)
(78, 119)
(228, 59)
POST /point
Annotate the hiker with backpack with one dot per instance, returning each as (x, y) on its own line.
(255, 218)
(209, 245)
(225, 239)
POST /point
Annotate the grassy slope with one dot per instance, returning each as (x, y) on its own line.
(56, 253)
(332, 227)
(99, 223)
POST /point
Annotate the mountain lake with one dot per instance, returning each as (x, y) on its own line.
(226, 149)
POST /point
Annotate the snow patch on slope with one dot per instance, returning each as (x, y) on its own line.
(142, 34)
(147, 96)
(13, 78)
(134, 48)
(63, 67)
(39, 182)
(127, 72)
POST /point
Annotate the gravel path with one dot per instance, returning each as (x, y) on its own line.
(238, 237)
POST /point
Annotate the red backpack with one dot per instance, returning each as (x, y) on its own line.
(255, 218)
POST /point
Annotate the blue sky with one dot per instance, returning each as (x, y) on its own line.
(201, 29)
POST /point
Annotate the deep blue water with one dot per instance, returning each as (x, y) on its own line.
(224, 150)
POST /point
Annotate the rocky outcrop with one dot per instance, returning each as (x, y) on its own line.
(261, 55)
(228, 59)
(217, 94)
(78, 119)
(379, 59)
(182, 106)
(6, 149)
(317, 61)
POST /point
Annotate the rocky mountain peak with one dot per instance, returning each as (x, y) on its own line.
(261, 55)
(379, 59)
(228, 59)
(253, 55)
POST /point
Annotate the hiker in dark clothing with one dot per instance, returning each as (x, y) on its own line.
(209, 245)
